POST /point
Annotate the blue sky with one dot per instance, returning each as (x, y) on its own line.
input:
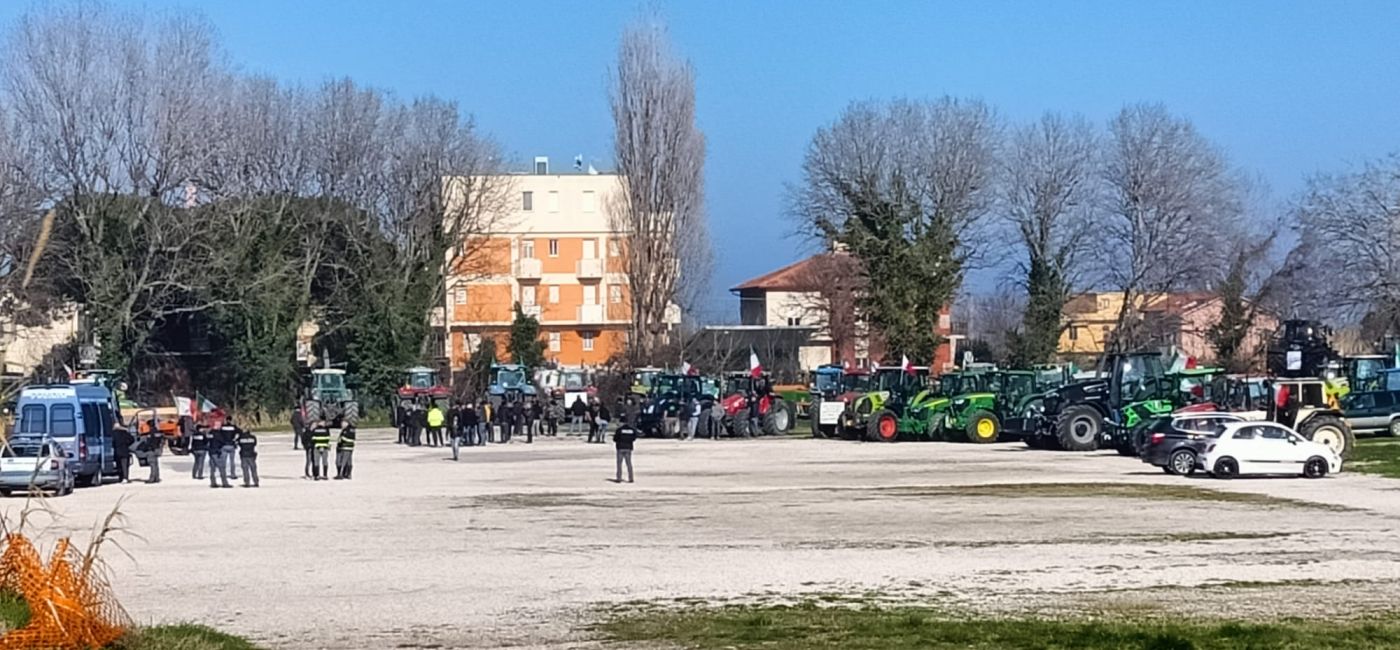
(1286, 88)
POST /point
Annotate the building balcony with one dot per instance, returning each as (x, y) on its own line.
(592, 314)
(528, 268)
(590, 269)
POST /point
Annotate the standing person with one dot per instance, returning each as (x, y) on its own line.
(230, 450)
(401, 416)
(345, 453)
(298, 425)
(624, 439)
(320, 459)
(154, 445)
(471, 422)
(199, 446)
(248, 456)
(536, 416)
(553, 414)
(485, 432)
(754, 422)
(687, 417)
(122, 440)
(306, 447)
(435, 420)
(580, 413)
(604, 416)
(221, 439)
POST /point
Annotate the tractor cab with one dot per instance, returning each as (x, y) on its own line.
(1366, 373)
(1081, 415)
(642, 379)
(834, 388)
(329, 398)
(420, 378)
(826, 381)
(328, 385)
(510, 382)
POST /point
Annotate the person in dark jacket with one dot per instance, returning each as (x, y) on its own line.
(553, 413)
(248, 457)
(223, 438)
(534, 417)
(122, 440)
(199, 446)
(580, 413)
(345, 453)
(153, 445)
(755, 422)
(321, 445)
(306, 447)
(298, 425)
(401, 416)
(604, 417)
(623, 440)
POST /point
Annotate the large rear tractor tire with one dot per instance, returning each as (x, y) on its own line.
(1125, 443)
(1330, 430)
(1079, 428)
(814, 419)
(778, 422)
(983, 427)
(883, 427)
(739, 424)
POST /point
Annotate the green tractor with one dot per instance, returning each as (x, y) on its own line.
(1083, 415)
(1000, 402)
(906, 407)
(883, 381)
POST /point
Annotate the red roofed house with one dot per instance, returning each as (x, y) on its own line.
(818, 293)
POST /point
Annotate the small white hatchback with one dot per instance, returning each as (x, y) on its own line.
(1267, 448)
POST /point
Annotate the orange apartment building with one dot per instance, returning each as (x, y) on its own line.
(555, 254)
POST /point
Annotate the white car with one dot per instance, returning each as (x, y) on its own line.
(1263, 448)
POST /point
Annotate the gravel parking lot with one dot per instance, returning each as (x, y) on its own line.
(516, 545)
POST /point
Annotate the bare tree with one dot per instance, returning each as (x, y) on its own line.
(904, 186)
(1346, 265)
(1048, 188)
(829, 290)
(660, 157)
(1169, 195)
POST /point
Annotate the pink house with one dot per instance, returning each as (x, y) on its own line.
(1184, 320)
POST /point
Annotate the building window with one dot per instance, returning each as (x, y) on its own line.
(613, 250)
(588, 341)
(461, 295)
(554, 248)
(554, 342)
(527, 296)
(553, 294)
(527, 248)
(794, 321)
(1073, 333)
(527, 201)
(553, 201)
(615, 293)
(590, 202)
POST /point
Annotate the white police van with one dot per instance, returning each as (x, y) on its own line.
(80, 418)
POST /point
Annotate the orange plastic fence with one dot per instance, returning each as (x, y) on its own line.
(68, 608)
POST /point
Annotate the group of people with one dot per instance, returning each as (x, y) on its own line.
(315, 439)
(226, 448)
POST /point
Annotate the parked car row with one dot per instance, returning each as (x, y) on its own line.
(1226, 445)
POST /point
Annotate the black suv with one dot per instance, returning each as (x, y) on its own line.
(1174, 442)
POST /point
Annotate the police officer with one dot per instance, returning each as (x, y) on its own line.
(298, 425)
(306, 447)
(230, 449)
(222, 438)
(122, 440)
(345, 453)
(320, 459)
(248, 456)
(199, 446)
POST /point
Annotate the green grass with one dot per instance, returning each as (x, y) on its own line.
(809, 627)
(14, 612)
(1375, 456)
(184, 636)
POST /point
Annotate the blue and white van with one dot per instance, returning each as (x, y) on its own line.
(80, 418)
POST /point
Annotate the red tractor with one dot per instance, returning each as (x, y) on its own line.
(421, 386)
(775, 414)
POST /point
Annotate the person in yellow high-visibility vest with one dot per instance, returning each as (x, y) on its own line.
(321, 444)
(435, 421)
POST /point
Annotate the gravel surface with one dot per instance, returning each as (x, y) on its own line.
(516, 545)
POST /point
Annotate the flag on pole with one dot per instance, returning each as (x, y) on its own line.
(69, 371)
(687, 369)
(755, 368)
(906, 364)
(205, 406)
(184, 407)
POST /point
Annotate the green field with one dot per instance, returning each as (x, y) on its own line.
(810, 627)
(1375, 456)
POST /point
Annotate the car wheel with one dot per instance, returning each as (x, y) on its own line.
(1182, 462)
(1226, 468)
(1315, 468)
(1395, 427)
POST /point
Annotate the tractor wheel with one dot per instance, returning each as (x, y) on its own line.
(350, 414)
(883, 427)
(778, 421)
(1329, 430)
(983, 426)
(1126, 443)
(739, 425)
(313, 411)
(814, 420)
(1078, 428)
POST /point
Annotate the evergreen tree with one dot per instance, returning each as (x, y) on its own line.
(526, 348)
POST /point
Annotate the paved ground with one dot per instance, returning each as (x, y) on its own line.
(516, 544)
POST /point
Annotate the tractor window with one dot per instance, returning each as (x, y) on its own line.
(573, 381)
(1135, 378)
(827, 382)
(421, 380)
(1018, 386)
(510, 378)
(1313, 396)
(33, 419)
